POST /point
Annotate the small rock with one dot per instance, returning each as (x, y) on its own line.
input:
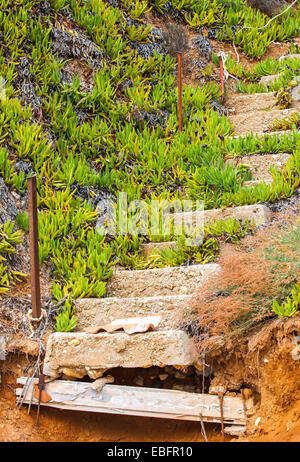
(95, 373)
(217, 389)
(235, 430)
(74, 342)
(257, 421)
(73, 373)
(231, 393)
(99, 383)
(139, 381)
(183, 290)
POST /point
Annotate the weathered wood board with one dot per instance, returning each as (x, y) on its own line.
(137, 401)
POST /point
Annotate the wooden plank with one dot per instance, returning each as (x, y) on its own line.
(138, 401)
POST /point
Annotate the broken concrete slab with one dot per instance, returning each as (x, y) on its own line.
(83, 354)
(159, 281)
(258, 213)
(93, 312)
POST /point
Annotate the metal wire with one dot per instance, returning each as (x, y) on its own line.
(37, 366)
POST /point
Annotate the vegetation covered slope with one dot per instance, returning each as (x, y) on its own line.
(91, 109)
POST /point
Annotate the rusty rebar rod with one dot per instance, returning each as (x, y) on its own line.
(221, 398)
(34, 249)
(222, 81)
(41, 387)
(179, 59)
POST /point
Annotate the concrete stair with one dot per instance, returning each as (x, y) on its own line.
(261, 118)
(100, 311)
(159, 281)
(260, 166)
(138, 293)
(260, 214)
(80, 354)
(164, 291)
(246, 103)
(257, 213)
(256, 112)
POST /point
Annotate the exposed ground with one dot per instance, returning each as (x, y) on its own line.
(267, 372)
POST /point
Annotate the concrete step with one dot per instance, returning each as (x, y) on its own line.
(150, 248)
(255, 182)
(258, 120)
(245, 103)
(98, 311)
(258, 213)
(159, 281)
(260, 165)
(261, 134)
(267, 79)
(80, 354)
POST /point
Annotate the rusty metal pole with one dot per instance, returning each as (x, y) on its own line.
(34, 249)
(221, 398)
(222, 81)
(180, 91)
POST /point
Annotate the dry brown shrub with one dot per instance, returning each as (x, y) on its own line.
(263, 268)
